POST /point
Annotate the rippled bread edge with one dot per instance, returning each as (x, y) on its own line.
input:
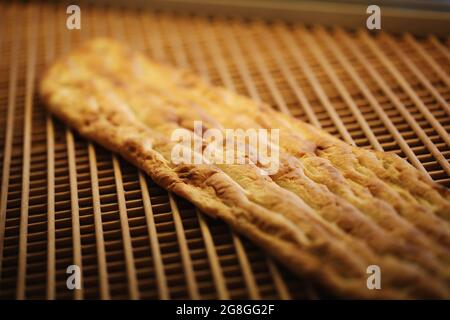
(83, 98)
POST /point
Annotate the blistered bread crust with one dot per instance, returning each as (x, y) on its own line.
(329, 212)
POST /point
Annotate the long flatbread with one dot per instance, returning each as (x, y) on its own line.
(331, 211)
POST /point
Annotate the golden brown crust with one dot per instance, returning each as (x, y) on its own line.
(329, 212)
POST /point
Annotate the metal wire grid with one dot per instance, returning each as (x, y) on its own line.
(67, 201)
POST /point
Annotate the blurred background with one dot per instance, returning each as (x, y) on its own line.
(417, 16)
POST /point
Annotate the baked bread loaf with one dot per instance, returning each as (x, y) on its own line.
(329, 212)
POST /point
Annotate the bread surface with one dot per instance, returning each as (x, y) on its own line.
(329, 212)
